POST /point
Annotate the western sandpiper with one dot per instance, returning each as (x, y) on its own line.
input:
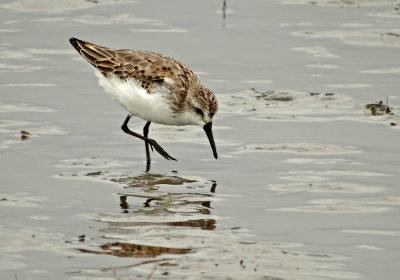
(153, 87)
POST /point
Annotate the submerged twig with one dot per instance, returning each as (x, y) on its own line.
(152, 271)
(114, 273)
(223, 13)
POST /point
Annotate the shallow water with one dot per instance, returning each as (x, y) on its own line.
(306, 186)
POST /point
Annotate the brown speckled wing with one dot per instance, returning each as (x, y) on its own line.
(148, 68)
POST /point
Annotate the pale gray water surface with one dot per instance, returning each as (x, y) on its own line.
(307, 183)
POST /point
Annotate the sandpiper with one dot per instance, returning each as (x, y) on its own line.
(153, 87)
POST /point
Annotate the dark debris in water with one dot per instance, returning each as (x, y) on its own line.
(81, 238)
(95, 173)
(378, 109)
(285, 96)
(25, 135)
(24, 132)
(272, 95)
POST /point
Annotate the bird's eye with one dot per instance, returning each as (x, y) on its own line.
(199, 111)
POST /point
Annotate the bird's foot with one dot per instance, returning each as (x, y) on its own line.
(159, 149)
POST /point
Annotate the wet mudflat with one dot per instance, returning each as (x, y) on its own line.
(306, 186)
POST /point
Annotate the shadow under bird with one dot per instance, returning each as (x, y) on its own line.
(153, 87)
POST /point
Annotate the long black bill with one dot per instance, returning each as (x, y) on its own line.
(208, 129)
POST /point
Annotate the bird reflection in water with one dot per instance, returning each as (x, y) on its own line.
(160, 202)
(129, 250)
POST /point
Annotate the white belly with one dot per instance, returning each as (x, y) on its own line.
(138, 102)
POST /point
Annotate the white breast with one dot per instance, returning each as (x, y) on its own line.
(138, 102)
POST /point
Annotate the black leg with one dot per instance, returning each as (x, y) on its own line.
(146, 134)
(152, 142)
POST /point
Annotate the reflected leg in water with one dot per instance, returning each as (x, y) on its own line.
(124, 205)
(214, 186)
(147, 203)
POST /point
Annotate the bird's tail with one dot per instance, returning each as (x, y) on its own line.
(91, 52)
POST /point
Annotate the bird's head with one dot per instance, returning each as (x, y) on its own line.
(201, 108)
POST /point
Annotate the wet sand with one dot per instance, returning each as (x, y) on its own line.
(306, 186)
